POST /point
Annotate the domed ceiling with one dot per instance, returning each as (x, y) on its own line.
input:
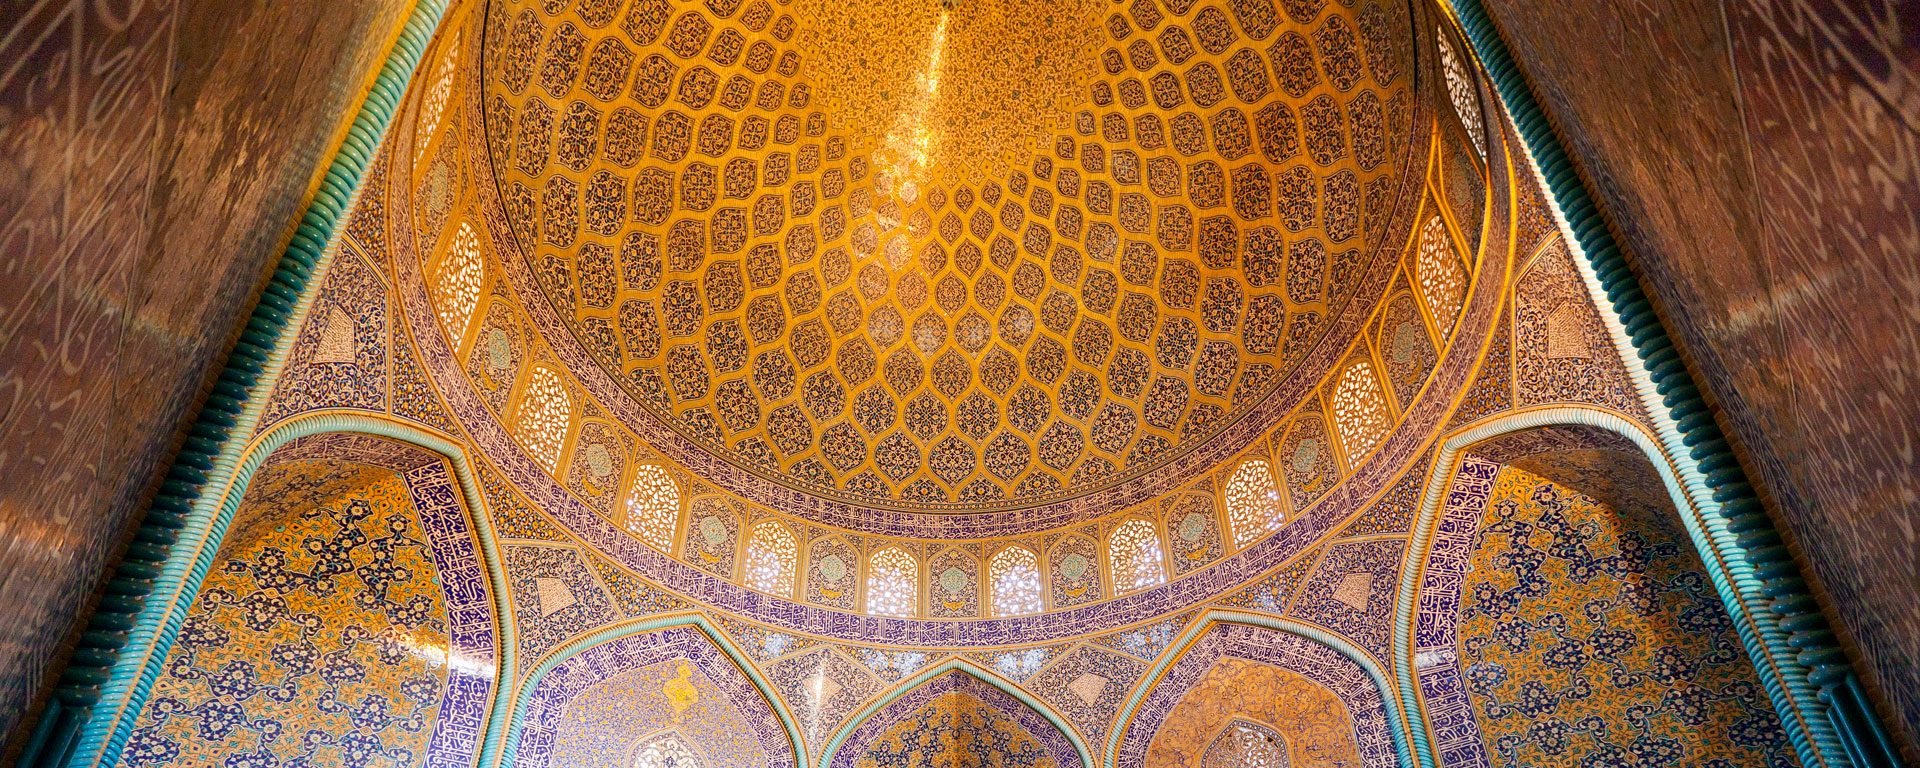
(954, 256)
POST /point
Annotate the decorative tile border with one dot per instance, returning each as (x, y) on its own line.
(1436, 665)
(461, 728)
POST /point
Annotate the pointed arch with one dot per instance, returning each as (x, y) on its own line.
(1360, 413)
(1440, 275)
(1309, 651)
(433, 104)
(205, 482)
(564, 672)
(1247, 744)
(666, 749)
(956, 674)
(456, 284)
(1424, 615)
(1014, 581)
(212, 521)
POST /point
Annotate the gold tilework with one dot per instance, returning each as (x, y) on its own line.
(319, 635)
(932, 255)
(944, 93)
(1591, 633)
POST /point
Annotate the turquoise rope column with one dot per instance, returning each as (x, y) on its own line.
(1816, 678)
(91, 714)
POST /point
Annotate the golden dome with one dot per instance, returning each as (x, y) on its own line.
(929, 256)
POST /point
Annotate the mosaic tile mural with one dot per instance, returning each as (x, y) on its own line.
(1554, 628)
(789, 253)
(1591, 636)
(345, 622)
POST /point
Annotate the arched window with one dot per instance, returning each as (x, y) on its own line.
(1134, 549)
(653, 507)
(666, 750)
(544, 416)
(1360, 411)
(434, 104)
(1443, 281)
(1247, 744)
(771, 553)
(1461, 91)
(1016, 581)
(893, 583)
(1253, 502)
(456, 288)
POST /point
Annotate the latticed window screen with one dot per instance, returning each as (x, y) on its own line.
(434, 105)
(653, 507)
(1443, 281)
(1246, 744)
(771, 554)
(456, 288)
(1360, 411)
(1253, 502)
(892, 581)
(1460, 91)
(1015, 573)
(544, 416)
(1134, 549)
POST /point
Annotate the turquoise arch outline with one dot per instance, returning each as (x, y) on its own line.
(1403, 748)
(1803, 668)
(185, 516)
(523, 692)
(261, 448)
(1440, 477)
(956, 664)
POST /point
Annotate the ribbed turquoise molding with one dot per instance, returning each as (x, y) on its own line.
(106, 682)
(1403, 744)
(1805, 672)
(522, 696)
(447, 447)
(1687, 496)
(979, 673)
